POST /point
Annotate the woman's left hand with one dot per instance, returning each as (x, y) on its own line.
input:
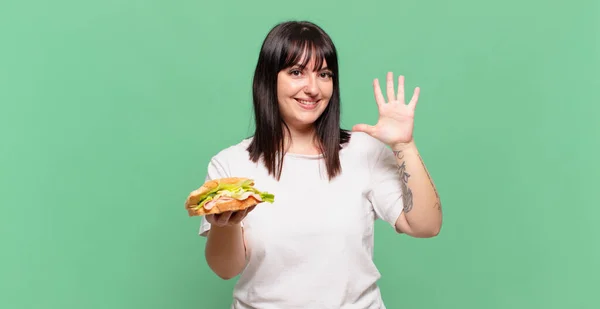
(396, 118)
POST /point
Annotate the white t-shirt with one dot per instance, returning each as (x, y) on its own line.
(313, 247)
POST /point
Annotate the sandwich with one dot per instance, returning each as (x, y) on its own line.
(225, 194)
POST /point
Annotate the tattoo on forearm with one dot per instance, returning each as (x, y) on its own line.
(407, 196)
(437, 205)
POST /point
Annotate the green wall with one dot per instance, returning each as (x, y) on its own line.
(110, 111)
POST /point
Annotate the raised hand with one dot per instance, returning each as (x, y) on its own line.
(396, 118)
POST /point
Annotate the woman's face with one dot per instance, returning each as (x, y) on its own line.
(303, 94)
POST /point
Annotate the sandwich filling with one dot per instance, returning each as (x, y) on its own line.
(236, 191)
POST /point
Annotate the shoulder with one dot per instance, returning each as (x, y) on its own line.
(229, 161)
(363, 143)
(233, 153)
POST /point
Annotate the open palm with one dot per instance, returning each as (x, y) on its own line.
(396, 118)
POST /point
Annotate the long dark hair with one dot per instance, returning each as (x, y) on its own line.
(283, 47)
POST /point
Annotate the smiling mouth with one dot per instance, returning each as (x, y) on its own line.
(307, 103)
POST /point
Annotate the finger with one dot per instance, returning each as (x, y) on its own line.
(364, 128)
(250, 209)
(377, 92)
(415, 98)
(390, 87)
(210, 219)
(237, 216)
(401, 89)
(223, 218)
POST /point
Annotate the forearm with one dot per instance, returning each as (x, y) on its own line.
(422, 206)
(225, 251)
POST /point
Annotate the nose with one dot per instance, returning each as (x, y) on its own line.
(311, 88)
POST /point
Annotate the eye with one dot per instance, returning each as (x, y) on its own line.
(295, 72)
(326, 75)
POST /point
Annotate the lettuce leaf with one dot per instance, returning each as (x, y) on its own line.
(245, 184)
(267, 197)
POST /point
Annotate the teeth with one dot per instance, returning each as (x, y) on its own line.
(307, 102)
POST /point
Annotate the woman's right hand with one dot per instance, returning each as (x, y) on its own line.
(226, 249)
(228, 218)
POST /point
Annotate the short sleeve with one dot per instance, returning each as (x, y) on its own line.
(386, 189)
(215, 170)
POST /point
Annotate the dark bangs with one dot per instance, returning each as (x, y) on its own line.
(305, 46)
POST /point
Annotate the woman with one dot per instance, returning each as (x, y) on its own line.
(313, 247)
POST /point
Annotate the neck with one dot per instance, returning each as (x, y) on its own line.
(301, 141)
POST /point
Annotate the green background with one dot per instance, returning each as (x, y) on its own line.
(110, 111)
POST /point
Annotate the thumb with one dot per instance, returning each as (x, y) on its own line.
(361, 127)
